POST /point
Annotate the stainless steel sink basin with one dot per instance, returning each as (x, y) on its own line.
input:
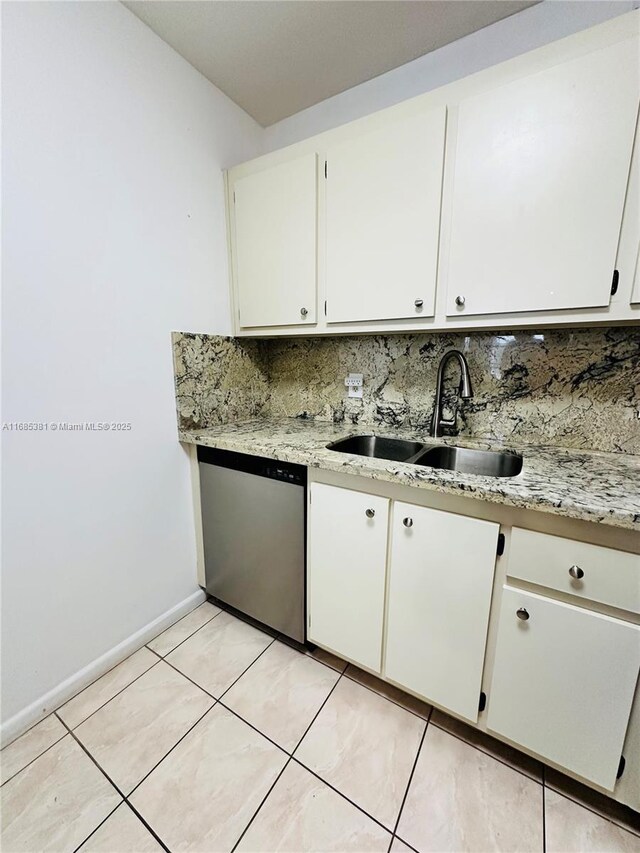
(490, 463)
(380, 447)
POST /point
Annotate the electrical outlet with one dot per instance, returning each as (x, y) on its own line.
(354, 385)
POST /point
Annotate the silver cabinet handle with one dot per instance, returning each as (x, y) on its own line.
(522, 613)
(408, 522)
(460, 300)
(370, 513)
(576, 572)
(304, 312)
(419, 303)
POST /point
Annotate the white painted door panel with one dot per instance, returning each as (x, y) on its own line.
(275, 244)
(541, 170)
(563, 683)
(440, 585)
(383, 215)
(347, 557)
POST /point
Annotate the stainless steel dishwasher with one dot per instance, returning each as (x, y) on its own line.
(253, 519)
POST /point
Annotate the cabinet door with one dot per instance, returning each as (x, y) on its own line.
(563, 683)
(635, 293)
(275, 244)
(383, 216)
(346, 572)
(541, 170)
(440, 585)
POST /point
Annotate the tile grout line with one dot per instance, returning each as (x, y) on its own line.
(148, 825)
(93, 831)
(180, 739)
(144, 646)
(106, 702)
(125, 797)
(247, 668)
(341, 794)
(86, 751)
(192, 634)
(409, 781)
(485, 752)
(544, 785)
(175, 669)
(255, 728)
(29, 763)
(54, 711)
(288, 761)
(588, 807)
(262, 802)
(393, 701)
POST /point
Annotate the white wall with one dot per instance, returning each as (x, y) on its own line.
(113, 235)
(532, 28)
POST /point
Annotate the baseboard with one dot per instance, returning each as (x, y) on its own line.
(23, 720)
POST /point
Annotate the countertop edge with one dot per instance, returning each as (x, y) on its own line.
(394, 475)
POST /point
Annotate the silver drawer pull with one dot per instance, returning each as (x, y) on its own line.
(522, 613)
(408, 522)
(370, 513)
(419, 303)
(304, 312)
(576, 572)
(460, 300)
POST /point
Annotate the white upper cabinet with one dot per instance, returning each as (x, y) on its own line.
(540, 172)
(440, 585)
(382, 220)
(275, 212)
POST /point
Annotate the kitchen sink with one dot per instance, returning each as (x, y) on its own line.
(490, 463)
(380, 447)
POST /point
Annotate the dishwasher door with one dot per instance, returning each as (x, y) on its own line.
(254, 543)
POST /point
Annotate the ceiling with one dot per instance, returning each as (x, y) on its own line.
(276, 57)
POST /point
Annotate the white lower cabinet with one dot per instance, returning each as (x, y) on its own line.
(563, 683)
(347, 553)
(440, 585)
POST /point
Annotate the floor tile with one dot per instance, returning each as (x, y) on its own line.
(55, 802)
(30, 745)
(122, 832)
(303, 815)
(411, 703)
(595, 801)
(462, 799)
(398, 846)
(185, 627)
(502, 751)
(130, 734)
(220, 652)
(281, 693)
(101, 691)
(570, 827)
(364, 746)
(203, 795)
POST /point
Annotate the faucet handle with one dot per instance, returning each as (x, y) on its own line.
(453, 420)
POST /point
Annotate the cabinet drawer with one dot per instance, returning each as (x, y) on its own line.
(577, 568)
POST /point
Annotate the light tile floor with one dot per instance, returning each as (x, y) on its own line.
(220, 737)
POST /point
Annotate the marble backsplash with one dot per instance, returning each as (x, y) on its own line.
(218, 380)
(576, 388)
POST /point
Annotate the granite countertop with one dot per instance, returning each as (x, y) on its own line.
(596, 487)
